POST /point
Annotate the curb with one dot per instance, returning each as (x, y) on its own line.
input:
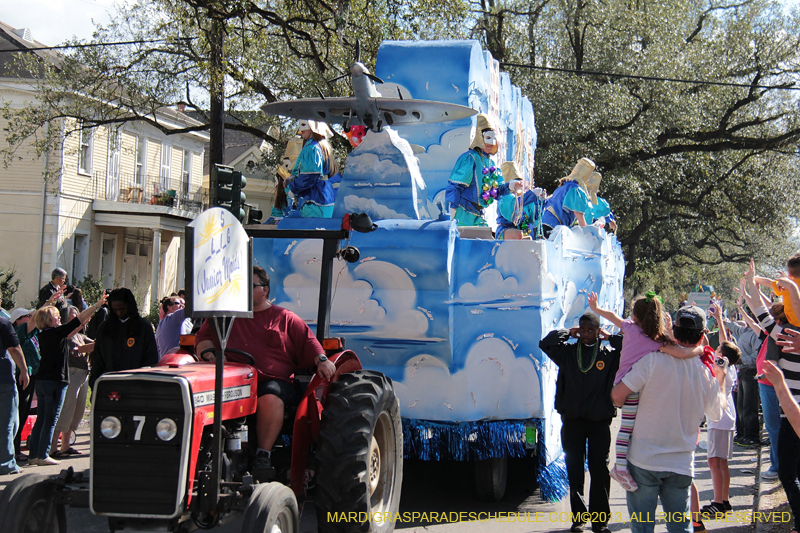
(761, 502)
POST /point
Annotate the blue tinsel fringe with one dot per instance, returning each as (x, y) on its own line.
(463, 441)
(552, 478)
(474, 441)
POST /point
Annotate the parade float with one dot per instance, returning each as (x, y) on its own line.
(452, 316)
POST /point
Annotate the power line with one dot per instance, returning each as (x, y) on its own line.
(651, 78)
(97, 45)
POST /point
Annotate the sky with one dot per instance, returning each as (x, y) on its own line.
(53, 21)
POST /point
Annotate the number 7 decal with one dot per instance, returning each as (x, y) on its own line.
(140, 424)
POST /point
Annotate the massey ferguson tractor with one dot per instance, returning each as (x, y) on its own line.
(162, 461)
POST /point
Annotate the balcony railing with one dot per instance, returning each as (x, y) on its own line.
(145, 189)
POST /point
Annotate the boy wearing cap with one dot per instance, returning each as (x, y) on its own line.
(674, 394)
(586, 372)
(476, 181)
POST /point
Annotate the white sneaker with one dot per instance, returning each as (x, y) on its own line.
(769, 475)
(33, 461)
(48, 461)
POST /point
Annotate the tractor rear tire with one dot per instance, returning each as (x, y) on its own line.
(359, 455)
(272, 509)
(491, 476)
(27, 505)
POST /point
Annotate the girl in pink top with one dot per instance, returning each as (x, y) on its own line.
(645, 332)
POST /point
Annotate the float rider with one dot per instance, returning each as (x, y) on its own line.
(601, 210)
(569, 204)
(309, 181)
(519, 215)
(476, 181)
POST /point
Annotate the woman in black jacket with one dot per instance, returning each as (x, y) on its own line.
(52, 378)
(125, 340)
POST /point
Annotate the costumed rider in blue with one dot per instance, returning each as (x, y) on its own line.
(519, 215)
(476, 182)
(569, 204)
(308, 181)
(601, 210)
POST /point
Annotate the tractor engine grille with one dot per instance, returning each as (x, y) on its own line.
(136, 473)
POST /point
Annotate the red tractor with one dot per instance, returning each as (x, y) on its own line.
(161, 460)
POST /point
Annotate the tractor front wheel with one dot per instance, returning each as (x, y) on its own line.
(28, 505)
(272, 509)
(360, 455)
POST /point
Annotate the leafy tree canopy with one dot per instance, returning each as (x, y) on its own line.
(700, 174)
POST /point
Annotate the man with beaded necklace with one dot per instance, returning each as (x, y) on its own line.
(476, 181)
(586, 371)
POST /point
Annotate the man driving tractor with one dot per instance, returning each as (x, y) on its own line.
(280, 344)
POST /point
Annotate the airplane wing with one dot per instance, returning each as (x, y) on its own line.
(397, 112)
(390, 111)
(335, 110)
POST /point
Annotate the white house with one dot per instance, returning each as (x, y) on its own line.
(116, 207)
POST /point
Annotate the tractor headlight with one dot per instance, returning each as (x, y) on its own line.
(110, 427)
(166, 429)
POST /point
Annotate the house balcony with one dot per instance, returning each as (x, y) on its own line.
(147, 190)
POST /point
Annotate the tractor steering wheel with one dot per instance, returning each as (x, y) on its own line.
(250, 359)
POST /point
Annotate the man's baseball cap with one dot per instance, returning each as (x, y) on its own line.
(691, 317)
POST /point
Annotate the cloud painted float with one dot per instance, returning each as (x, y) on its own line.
(455, 322)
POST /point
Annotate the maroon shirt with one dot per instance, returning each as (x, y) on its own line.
(279, 341)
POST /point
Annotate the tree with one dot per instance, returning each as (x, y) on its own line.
(9, 285)
(271, 50)
(699, 173)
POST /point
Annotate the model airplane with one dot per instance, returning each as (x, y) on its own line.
(368, 108)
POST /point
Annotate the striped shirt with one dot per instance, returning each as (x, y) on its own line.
(789, 363)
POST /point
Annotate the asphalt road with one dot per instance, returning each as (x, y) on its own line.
(446, 489)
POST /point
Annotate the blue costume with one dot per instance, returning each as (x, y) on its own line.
(602, 209)
(523, 214)
(474, 184)
(567, 200)
(314, 193)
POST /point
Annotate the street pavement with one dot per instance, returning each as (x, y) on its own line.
(439, 497)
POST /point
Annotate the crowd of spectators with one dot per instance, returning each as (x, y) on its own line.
(57, 351)
(715, 379)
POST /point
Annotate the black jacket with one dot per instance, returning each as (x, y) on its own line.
(578, 394)
(121, 346)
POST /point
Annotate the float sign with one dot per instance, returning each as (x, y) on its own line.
(219, 266)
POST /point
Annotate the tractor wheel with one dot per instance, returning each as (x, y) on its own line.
(272, 509)
(490, 478)
(27, 505)
(359, 455)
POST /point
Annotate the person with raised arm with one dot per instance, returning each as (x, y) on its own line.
(644, 332)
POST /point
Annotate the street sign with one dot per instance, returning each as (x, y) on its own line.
(219, 266)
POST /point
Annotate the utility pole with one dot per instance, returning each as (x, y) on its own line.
(216, 150)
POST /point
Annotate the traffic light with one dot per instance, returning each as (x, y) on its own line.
(254, 216)
(230, 183)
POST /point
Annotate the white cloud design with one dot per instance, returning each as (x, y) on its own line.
(443, 156)
(493, 385)
(374, 293)
(357, 204)
(491, 285)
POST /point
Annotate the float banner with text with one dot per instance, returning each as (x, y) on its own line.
(219, 266)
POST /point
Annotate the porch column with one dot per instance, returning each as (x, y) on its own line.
(155, 268)
(181, 263)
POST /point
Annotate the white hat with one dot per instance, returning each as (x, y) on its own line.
(19, 312)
